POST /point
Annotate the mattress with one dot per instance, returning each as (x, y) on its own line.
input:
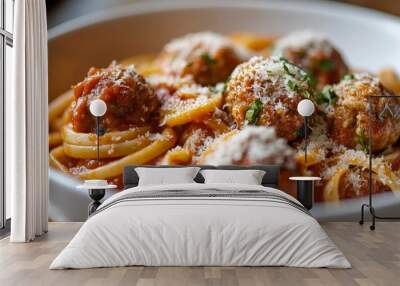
(201, 225)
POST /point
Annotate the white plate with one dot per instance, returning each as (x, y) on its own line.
(368, 40)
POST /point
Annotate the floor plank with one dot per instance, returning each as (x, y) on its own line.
(375, 257)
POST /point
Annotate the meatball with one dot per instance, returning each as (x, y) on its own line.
(130, 100)
(266, 92)
(314, 53)
(355, 184)
(208, 57)
(250, 146)
(348, 113)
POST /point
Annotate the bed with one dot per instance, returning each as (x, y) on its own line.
(197, 224)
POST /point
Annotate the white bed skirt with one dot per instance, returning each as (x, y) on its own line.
(200, 232)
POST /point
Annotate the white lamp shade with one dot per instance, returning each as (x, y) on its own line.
(98, 107)
(305, 107)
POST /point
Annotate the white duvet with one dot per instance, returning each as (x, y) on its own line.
(200, 231)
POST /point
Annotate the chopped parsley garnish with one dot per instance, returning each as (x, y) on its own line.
(349, 77)
(212, 88)
(326, 65)
(189, 65)
(327, 95)
(307, 94)
(310, 79)
(253, 113)
(208, 59)
(286, 68)
(285, 63)
(362, 140)
(292, 85)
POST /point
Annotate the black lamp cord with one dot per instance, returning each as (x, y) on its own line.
(98, 139)
(305, 139)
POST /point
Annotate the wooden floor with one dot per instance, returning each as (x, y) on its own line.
(375, 257)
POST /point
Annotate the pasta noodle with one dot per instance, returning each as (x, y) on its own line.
(142, 156)
(390, 79)
(55, 139)
(254, 42)
(181, 112)
(107, 150)
(55, 156)
(89, 139)
(312, 158)
(56, 124)
(217, 126)
(177, 156)
(144, 64)
(331, 190)
(59, 105)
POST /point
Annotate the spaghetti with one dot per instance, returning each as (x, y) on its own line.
(202, 100)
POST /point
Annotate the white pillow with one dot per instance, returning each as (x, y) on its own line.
(248, 177)
(164, 176)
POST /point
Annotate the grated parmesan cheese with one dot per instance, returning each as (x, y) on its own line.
(355, 180)
(194, 140)
(319, 143)
(264, 72)
(354, 92)
(254, 145)
(153, 136)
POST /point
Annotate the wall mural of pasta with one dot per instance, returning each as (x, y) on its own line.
(212, 99)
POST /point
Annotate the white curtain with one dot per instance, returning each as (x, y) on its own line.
(27, 124)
